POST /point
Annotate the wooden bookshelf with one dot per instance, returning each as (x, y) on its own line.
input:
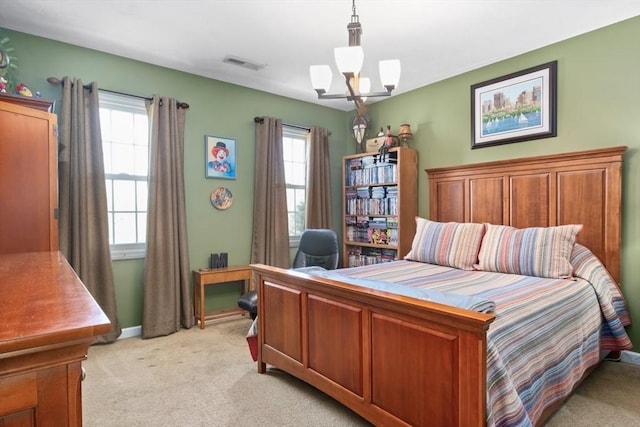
(380, 203)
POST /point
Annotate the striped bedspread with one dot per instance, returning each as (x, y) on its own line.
(547, 332)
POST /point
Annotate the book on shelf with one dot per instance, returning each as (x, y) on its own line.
(365, 172)
(375, 222)
(355, 164)
(378, 193)
(393, 236)
(363, 193)
(362, 221)
(378, 236)
(359, 256)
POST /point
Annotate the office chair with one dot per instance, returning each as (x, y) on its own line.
(318, 248)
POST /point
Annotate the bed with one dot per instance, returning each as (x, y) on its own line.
(418, 343)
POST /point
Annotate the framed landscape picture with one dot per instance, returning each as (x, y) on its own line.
(517, 107)
(220, 157)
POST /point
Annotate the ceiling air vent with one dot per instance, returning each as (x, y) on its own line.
(241, 62)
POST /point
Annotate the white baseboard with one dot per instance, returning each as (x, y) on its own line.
(627, 356)
(630, 357)
(134, 331)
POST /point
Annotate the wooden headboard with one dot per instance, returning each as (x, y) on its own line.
(574, 188)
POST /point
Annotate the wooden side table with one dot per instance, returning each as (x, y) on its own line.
(204, 277)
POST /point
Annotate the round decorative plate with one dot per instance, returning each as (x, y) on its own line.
(221, 198)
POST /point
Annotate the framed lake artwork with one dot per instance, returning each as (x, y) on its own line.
(220, 157)
(517, 107)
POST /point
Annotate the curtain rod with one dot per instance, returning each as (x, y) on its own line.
(58, 82)
(258, 119)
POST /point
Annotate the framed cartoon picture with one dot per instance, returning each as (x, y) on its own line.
(220, 157)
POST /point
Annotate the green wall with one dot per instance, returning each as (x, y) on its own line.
(216, 108)
(598, 106)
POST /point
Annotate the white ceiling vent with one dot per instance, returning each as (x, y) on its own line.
(241, 62)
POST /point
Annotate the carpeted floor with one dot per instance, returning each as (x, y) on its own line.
(207, 378)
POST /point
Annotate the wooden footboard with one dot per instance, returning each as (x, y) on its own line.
(394, 360)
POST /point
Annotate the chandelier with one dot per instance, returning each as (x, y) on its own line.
(349, 61)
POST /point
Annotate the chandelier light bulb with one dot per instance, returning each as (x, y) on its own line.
(365, 86)
(349, 59)
(321, 77)
(390, 72)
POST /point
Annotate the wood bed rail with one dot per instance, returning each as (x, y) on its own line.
(380, 346)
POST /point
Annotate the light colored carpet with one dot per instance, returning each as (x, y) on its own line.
(609, 397)
(198, 378)
(207, 378)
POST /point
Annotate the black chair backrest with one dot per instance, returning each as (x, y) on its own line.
(318, 247)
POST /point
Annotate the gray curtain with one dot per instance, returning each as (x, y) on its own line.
(83, 225)
(167, 303)
(270, 224)
(318, 205)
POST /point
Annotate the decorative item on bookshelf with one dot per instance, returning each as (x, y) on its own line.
(404, 135)
(373, 144)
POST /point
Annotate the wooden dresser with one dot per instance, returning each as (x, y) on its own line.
(28, 175)
(48, 320)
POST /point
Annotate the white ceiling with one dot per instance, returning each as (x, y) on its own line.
(434, 39)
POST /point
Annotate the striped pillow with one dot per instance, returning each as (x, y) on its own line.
(449, 244)
(534, 251)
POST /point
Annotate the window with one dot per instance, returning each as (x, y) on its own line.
(294, 146)
(125, 144)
